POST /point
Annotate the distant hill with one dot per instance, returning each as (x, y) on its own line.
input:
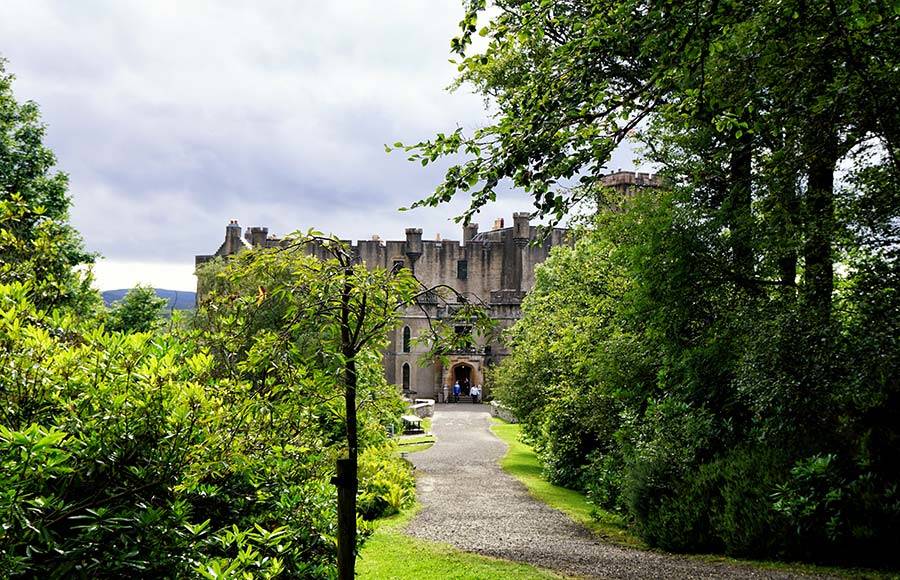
(178, 299)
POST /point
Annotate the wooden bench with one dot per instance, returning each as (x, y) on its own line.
(412, 424)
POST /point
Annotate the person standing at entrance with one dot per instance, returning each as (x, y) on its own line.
(476, 393)
(456, 391)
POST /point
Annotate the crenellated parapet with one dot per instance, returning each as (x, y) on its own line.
(628, 180)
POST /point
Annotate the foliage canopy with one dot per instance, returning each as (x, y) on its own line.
(728, 342)
(140, 310)
(37, 245)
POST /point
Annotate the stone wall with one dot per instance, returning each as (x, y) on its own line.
(422, 408)
(502, 412)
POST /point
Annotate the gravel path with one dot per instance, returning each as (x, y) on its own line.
(468, 501)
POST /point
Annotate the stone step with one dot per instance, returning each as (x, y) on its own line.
(462, 399)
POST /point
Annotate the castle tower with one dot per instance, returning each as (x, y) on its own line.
(257, 236)
(521, 227)
(629, 181)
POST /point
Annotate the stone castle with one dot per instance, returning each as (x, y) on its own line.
(495, 267)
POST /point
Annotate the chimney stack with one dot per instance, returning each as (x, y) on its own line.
(257, 236)
(233, 238)
(469, 232)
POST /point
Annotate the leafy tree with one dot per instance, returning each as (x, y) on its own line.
(284, 308)
(140, 310)
(313, 305)
(37, 245)
(738, 290)
(672, 398)
(558, 377)
(795, 85)
(202, 451)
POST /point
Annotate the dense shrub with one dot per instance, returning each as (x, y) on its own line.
(132, 454)
(724, 506)
(756, 502)
(386, 482)
(840, 512)
(602, 476)
(122, 455)
(714, 418)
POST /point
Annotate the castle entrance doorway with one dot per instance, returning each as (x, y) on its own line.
(467, 373)
(462, 374)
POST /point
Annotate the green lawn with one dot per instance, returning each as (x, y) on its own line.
(414, 443)
(390, 553)
(521, 462)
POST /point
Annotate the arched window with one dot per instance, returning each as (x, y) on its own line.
(406, 377)
(406, 338)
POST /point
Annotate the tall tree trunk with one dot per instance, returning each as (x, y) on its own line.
(821, 152)
(347, 469)
(738, 208)
(783, 183)
(787, 255)
(818, 282)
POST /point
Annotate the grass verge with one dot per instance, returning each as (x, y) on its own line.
(521, 462)
(390, 553)
(415, 443)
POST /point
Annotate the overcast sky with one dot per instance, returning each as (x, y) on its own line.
(173, 117)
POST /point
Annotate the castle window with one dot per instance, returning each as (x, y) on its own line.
(407, 339)
(462, 270)
(405, 379)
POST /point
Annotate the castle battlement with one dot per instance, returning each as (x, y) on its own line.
(502, 258)
(625, 180)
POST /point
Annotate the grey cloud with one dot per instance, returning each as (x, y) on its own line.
(172, 117)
